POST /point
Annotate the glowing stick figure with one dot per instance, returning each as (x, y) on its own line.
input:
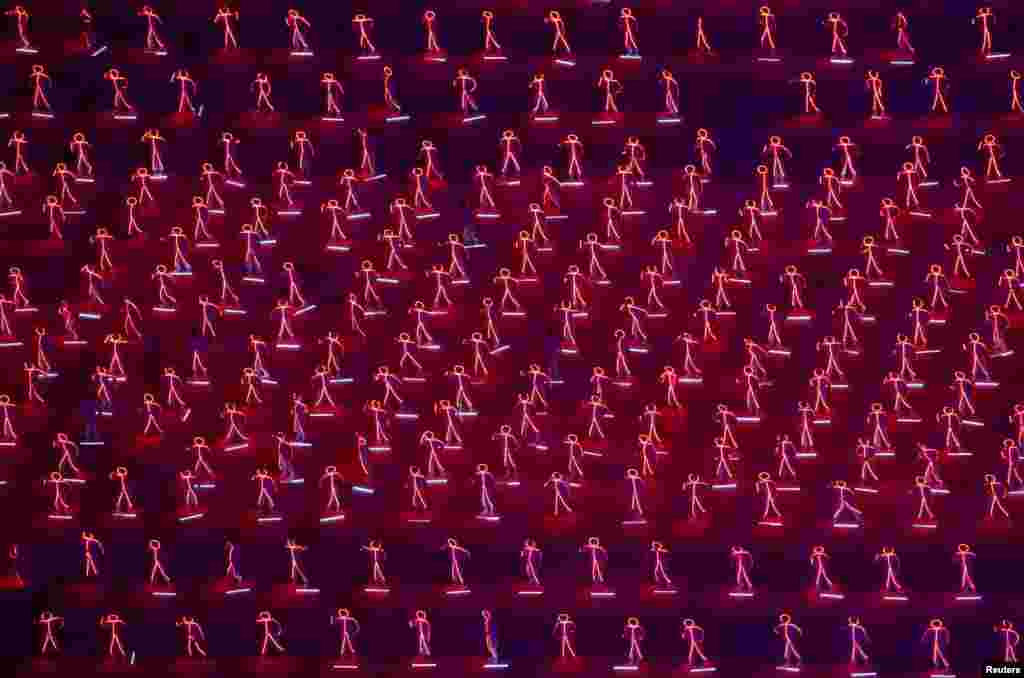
(142, 177)
(1010, 454)
(55, 216)
(6, 201)
(225, 16)
(899, 387)
(779, 153)
(486, 480)
(284, 178)
(421, 625)
(694, 187)
(266, 484)
(833, 187)
(198, 448)
(693, 636)
(961, 387)
(575, 148)
(115, 647)
(921, 157)
(703, 45)
(272, 630)
(843, 494)
(766, 486)
(191, 498)
(575, 453)
(295, 574)
(153, 41)
(743, 561)
(433, 445)
(902, 27)
(483, 177)
(840, 29)
(233, 416)
(119, 83)
(939, 85)
(21, 17)
(389, 91)
(365, 25)
(417, 482)
(636, 154)
(634, 633)
(41, 360)
(64, 177)
(963, 556)
(467, 85)
(123, 502)
(50, 623)
(429, 20)
(456, 555)
(551, 188)
(231, 168)
(262, 87)
(88, 37)
(636, 486)
(822, 582)
(845, 146)
(786, 628)
(858, 639)
(795, 281)
(59, 505)
(598, 556)
(152, 410)
(491, 44)
(302, 146)
(966, 181)
(671, 86)
(876, 419)
(766, 19)
(297, 24)
(193, 635)
(565, 629)
(938, 637)
(89, 541)
(1015, 104)
(18, 141)
(937, 279)
(822, 214)
(923, 491)
(560, 41)
(872, 269)
(993, 151)
(187, 89)
(984, 19)
(8, 426)
(419, 198)
(509, 144)
(654, 280)
(333, 91)
(979, 352)
(530, 556)
(156, 568)
(785, 450)
(806, 414)
(348, 628)
(377, 556)
(810, 86)
(40, 82)
(540, 100)
(1009, 639)
(820, 384)
(560, 488)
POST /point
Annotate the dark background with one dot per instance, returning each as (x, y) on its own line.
(741, 104)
